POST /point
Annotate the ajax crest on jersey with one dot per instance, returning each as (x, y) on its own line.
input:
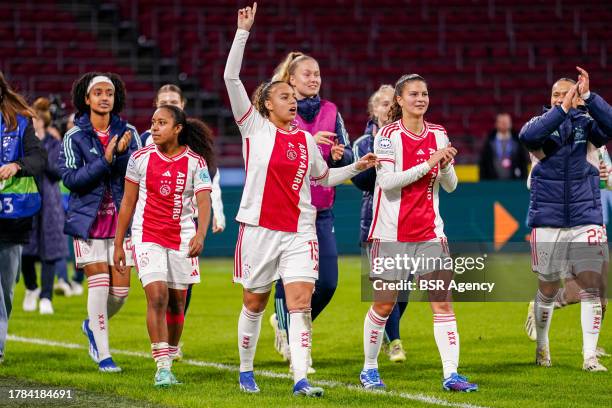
(164, 190)
(291, 154)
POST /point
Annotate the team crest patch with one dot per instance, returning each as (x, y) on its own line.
(291, 154)
(165, 189)
(144, 260)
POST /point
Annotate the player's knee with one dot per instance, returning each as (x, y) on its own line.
(299, 301)
(442, 307)
(158, 301)
(384, 309)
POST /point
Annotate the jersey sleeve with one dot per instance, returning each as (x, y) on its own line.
(201, 180)
(132, 173)
(384, 149)
(319, 169)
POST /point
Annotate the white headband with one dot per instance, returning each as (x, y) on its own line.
(97, 80)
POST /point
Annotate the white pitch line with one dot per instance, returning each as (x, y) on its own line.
(264, 373)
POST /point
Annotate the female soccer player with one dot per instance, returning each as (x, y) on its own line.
(161, 181)
(415, 159)
(321, 118)
(93, 163)
(277, 237)
(378, 108)
(171, 94)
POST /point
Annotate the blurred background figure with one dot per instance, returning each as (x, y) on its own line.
(502, 157)
(21, 159)
(47, 240)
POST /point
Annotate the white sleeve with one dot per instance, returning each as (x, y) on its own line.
(217, 203)
(321, 173)
(244, 112)
(201, 178)
(132, 172)
(448, 178)
(386, 176)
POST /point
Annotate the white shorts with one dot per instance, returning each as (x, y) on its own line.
(416, 258)
(263, 256)
(155, 263)
(100, 250)
(557, 253)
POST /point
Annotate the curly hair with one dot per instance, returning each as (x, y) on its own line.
(79, 92)
(395, 111)
(262, 94)
(195, 134)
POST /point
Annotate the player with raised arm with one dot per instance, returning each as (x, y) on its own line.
(161, 181)
(93, 164)
(277, 235)
(565, 208)
(415, 160)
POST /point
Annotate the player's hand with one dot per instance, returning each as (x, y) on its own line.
(445, 154)
(215, 227)
(195, 246)
(368, 161)
(337, 151)
(9, 170)
(246, 17)
(324, 137)
(446, 161)
(583, 81)
(119, 259)
(603, 171)
(569, 98)
(124, 142)
(110, 149)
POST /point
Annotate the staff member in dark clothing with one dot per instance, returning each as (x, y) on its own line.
(21, 159)
(502, 156)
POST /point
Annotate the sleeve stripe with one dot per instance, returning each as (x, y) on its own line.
(246, 115)
(68, 152)
(322, 176)
(387, 160)
(202, 189)
(131, 181)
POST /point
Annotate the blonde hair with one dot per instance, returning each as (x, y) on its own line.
(287, 67)
(42, 109)
(376, 96)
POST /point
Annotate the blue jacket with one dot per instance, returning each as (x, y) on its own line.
(365, 180)
(565, 183)
(85, 172)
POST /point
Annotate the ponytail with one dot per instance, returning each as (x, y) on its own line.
(395, 111)
(287, 67)
(198, 137)
(12, 104)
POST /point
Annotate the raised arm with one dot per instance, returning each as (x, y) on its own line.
(239, 99)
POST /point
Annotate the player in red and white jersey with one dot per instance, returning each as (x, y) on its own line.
(415, 159)
(161, 181)
(277, 236)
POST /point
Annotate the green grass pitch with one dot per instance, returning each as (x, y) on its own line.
(495, 353)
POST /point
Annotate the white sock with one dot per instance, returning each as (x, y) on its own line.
(447, 340)
(97, 299)
(590, 317)
(543, 310)
(373, 330)
(117, 295)
(161, 355)
(249, 325)
(300, 341)
(560, 299)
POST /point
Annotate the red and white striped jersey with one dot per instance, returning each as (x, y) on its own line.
(279, 165)
(407, 211)
(164, 211)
